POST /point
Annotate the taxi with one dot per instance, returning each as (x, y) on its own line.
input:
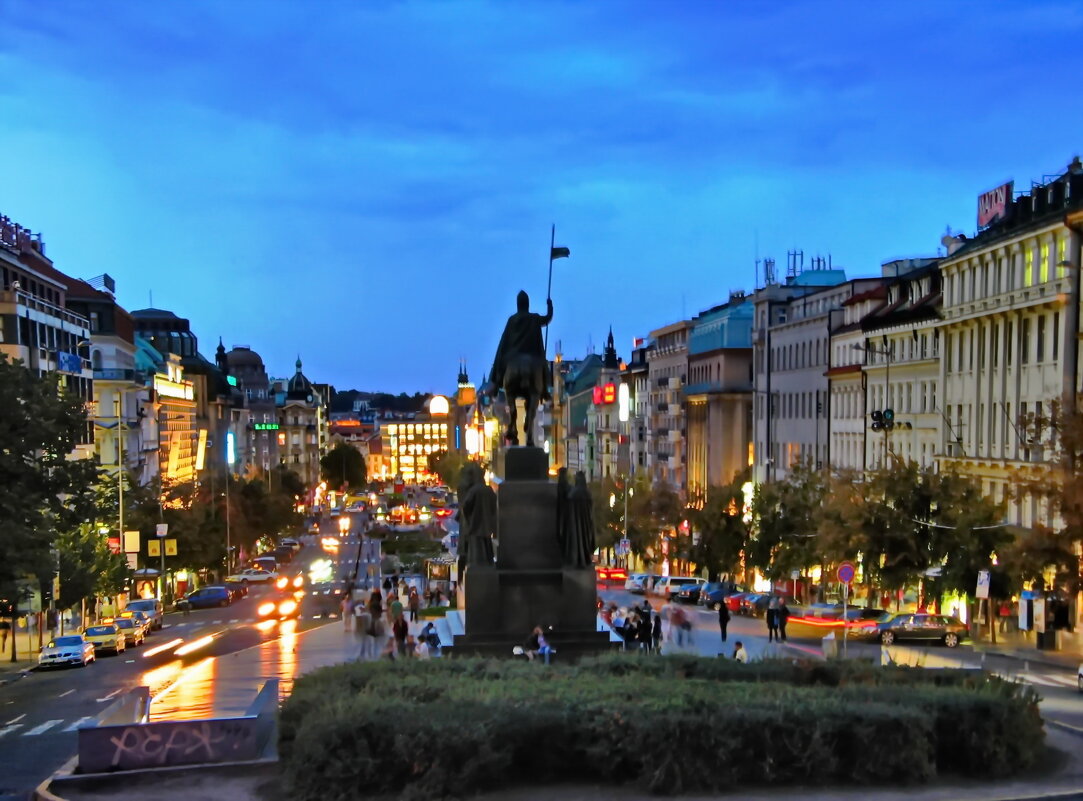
(142, 618)
(106, 637)
(132, 630)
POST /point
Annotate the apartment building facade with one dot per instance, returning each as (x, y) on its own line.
(667, 368)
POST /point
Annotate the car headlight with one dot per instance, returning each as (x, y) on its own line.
(282, 583)
(266, 608)
(287, 607)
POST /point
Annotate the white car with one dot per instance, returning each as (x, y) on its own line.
(71, 649)
(252, 575)
(637, 582)
(668, 586)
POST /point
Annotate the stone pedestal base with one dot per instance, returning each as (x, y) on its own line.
(527, 586)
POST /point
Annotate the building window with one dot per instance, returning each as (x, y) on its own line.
(1056, 335)
(1040, 339)
(1028, 267)
(1043, 266)
(1008, 340)
(1024, 341)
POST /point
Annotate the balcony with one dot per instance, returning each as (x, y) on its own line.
(661, 382)
(116, 374)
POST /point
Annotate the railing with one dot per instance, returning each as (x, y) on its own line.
(116, 374)
(37, 304)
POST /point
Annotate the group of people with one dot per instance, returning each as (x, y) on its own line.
(641, 627)
(380, 624)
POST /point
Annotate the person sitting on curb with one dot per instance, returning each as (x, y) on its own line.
(538, 645)
(739, 652)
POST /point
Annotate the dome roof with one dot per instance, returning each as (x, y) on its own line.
(299, 387)
(244, 357)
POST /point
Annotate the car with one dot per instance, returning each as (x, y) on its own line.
(758, 607)
(714, 593)
(237, 589)
(141, 618)
(131, 629)
(605, 574)
(689, 593)
(284, 553)
(105, 637)
(289, 584)
(669, 586)
(253, 575)
(205, 598)
(280, 607)
(638, 582)
(294, 544)
(153, 607)
(920, 627)
(733, 601)
(327, 596)
(71, 649)
(266, 562)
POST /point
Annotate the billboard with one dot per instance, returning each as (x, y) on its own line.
(994, 205)
(68, 363)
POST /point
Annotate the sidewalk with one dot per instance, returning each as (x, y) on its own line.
(1021, 646)
(26, 650)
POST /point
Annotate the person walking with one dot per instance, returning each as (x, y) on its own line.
(347, 612)
(363, 629)
(771, 614)
(413, 603)
(783, 618)
(400, 629)
(723, 618)
(376, 603)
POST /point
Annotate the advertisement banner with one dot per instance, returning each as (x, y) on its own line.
(154, 548)
(131, 542)
(994, 204)
(171, 547)
(133, 561)
(161, 529)
(114, 545)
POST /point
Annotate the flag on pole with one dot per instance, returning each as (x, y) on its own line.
(559, 253)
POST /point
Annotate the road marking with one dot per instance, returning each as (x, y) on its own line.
(129, 661)
(69, 692)
(9, 729)
(235, 620)
(78, 723)
(16, 720)
(41, 727)
(216, 623)
(118, 691)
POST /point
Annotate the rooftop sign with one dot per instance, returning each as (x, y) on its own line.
(994, 204)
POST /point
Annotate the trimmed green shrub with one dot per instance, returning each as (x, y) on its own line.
(434, 728)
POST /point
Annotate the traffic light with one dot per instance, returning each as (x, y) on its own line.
(877, 420)
(889, 416)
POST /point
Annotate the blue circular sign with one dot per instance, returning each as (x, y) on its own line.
(846, 572)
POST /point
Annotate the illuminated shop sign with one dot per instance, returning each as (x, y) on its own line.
(265, 426)
(605, 394)
(173, 389)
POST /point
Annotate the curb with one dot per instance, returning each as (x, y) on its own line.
(43, 792)
(1068, 727)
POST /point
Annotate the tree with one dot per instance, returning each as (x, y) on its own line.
(720, 532)
(786, 521)
(448, 465)
(343, 465)
(1057, 487)
(40, 424)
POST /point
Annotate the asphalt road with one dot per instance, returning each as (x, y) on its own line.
(39, 714)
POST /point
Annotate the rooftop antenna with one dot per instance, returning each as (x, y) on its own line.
(768, 272)
(795, 262)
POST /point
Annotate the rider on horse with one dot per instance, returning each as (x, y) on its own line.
(520, 366)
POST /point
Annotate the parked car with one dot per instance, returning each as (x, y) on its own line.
(284, 553)
(105, 637)
(733, 601)
(141, 618)
(72, 649)
(237, 589)
(714, 593)
(669, 586)
(637, 582)
(153, 607)
(205, 598)
(294, 544)
(758, 607)
(689, 593)
(920, 627)
(266, 562)
(252, 575)
(131, 629)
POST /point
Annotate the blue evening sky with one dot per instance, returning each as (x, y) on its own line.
(369, 184)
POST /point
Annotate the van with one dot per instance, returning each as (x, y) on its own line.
(266, 562)
(669, 586)
(152, 607)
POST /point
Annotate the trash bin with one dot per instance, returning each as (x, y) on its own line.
(830, 646)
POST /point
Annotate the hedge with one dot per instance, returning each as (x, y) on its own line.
(438, 728)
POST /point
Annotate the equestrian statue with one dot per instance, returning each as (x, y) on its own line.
(520, 367)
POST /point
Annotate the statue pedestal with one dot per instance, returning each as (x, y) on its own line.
(529, 586)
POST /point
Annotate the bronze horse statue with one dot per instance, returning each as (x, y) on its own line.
(524, 378)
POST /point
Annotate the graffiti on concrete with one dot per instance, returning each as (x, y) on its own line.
(179, 742)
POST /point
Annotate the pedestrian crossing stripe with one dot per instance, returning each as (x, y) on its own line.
(41, 728)
(10, 728)
(78, 723)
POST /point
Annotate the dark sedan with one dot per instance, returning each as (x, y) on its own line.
(205, 598)
(927, 628)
